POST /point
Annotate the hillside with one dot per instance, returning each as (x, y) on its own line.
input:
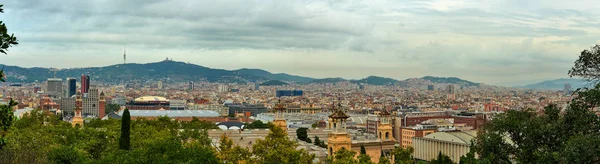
(557, 84)
(328, 80)
(278, 76)
(273, 83)
(376, 80)
(449, 80)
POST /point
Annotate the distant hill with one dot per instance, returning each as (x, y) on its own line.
(557, 84)
(449, 80)
(273, 83)
(278, 76)
(376, 80)
(328, 80)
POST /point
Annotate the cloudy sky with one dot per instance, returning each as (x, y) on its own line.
(504, 42)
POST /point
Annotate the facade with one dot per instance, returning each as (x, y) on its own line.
(223, 88)
(372, 124)
(384, 129)
(67, 105)
(85, 84)
(78, 117)
(191, 86)
(430, 88)
(179, 115)
(159, 85)
(453, 144)
(246, 109)
(408, 133)
(149, 103)
(71, 87)
(177, 104)
(289, 93)
(91, 103)
(54, 87)
(279, 119)
(122, 101)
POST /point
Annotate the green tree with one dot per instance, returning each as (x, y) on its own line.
(308, 140)
(342, 156)
(6, 115)
(256, 125)
(588, 65)
(442, 159)
(277, 148)
(302, 133)
(363, 158)
(6, 41)
(383, 160)
(66, 155)
(403, 155)
(318, 141)
(469, 158)
(124, 140)
(232, 154)
(110, 108)
(315, 125)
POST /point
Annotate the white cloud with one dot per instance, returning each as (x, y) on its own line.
(496, 42)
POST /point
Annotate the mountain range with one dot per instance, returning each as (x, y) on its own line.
(180, 71)
(557, 84)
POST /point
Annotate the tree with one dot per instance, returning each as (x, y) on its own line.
(315, 125)
(442, 159)
(125, 131)
(588, 65)
(256, 125)
(302, 134)
(383, 160)
(403, 155)
(110, 108)
(232, 154)
(342, 156)
(6, 115)
(66, 155)
(308, 140)
(277, 148)
(469, 158)
(363, 158)
(318, 141)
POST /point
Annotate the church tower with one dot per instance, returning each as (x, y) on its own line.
(384, 129)
(78, 118)
(279, 119)
(101, 106)
(339, 137)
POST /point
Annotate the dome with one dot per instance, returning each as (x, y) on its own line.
(150, 99)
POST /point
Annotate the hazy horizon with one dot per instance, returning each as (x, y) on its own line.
(503, 43)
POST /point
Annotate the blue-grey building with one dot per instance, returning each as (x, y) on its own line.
(289, 93)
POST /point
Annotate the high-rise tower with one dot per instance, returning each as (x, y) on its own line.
(71, 86)
(101, 106)
(78, 118)
(124, 55)
(339, 137)
(384, 129)
(279, 120)
(85, 84)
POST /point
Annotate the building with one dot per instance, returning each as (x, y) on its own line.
(85, 84)
(408, 133)
(177, 104)
(279, 119)
(159, 85)
(67, 105)
(121, 101)
(372, 124)
(77, 120)
(246, 109)
(289, 93)
(191, 86)
(179, 115)
(453, 144)
(149, 103)
(54, 87)
(46, 104)
(223, 88)
(430, 88)
(91, 103)
(384, 129)
(102, 105)
(71, 86)
(221, 109)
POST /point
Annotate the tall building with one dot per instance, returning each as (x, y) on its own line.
(384, 129)
(191, 86)
(567, 87)
(54, 87)
(159, 85)
(102, 106)
(339, 137)
(71, 86)
(256, 86)
(91, 103)
(85, 84)
(223, 88)
(450, 89)
(279, 120)
(78, 118)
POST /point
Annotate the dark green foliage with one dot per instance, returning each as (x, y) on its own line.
(442, 159)
(308, 140)
(302, 133)
(65, 155)
(6, 120)
(450, 80)
(6, 115)
(124, 140)
(376, 80)
(256, 125)
(273, 83)
(278, 76)
(112, 108)
(363, 150)
(403, 155)
(588, 65)
(342, 156)
(328, 80)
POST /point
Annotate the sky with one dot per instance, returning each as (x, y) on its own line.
(508, 42)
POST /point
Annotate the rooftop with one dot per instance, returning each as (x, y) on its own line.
(150, 98)
(171, 113)
(460, 137)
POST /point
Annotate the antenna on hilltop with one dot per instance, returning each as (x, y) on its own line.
(124, 55)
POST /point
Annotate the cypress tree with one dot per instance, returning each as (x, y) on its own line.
(125, 130)
(363, 150)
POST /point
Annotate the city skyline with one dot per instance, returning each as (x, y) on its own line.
(499, 43)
